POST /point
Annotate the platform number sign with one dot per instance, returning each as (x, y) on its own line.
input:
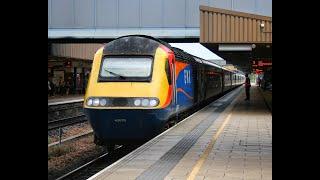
(187, 78)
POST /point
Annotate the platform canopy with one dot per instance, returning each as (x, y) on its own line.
(239, 38)
(200, 51)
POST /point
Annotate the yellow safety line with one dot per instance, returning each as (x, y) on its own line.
(204, 156)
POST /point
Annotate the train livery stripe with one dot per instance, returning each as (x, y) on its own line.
(169, 97)
(184, 81)
(179, 67)
(185, 93)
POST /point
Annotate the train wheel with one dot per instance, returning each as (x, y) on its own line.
(97, 141)
(165, 127)
(172, 123)
(110, 147)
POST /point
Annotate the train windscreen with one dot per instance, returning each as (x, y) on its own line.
(126, 68)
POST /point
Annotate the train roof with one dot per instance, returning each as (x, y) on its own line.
(179, 52)
(134, 45)
(148, 37)
(207, 62)
(185, 55)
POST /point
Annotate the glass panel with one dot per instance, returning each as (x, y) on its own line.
(126, 67)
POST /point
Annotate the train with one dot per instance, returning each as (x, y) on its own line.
(138, 84)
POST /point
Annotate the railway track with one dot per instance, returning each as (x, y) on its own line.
(94, 166)
(59, 123)
(72, 138)
(64, 109)
(61, 114)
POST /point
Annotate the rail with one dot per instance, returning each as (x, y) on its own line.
(72, 138)
(60, 123)
(84, 170)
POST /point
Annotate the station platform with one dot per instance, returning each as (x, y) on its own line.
(64, 99)
(229, 139)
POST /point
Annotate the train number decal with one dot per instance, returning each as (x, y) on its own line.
(187, 78)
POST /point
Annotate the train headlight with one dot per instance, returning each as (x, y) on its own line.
(110, 102)
(89, 102)
(96, 102)
(137, 102)
(145, 102)
(153, 102)
(103, 102)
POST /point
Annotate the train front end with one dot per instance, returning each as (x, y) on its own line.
(128, 95)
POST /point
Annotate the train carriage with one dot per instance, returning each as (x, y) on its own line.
(137, 83)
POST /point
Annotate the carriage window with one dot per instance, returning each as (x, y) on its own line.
(123, 67)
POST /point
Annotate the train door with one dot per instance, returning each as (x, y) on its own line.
(199, 86)
(174, 85)
(202, 88)
(221, 80)
(231, 80)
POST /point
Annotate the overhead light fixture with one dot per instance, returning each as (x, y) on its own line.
(235, 47)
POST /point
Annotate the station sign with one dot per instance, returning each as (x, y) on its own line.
(261, 63)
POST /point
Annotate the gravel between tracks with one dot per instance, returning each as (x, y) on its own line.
(68, 156)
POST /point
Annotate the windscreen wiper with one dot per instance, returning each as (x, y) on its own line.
(118, 75)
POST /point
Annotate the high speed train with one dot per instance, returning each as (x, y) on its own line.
(138, 84)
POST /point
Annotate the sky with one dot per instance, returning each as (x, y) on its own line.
(197, 49)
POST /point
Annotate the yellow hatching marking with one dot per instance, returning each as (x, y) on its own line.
(205, 155)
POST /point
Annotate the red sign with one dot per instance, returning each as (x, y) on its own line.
(261, 63)
(258, 71)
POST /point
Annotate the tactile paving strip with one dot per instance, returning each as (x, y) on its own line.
(161, 168)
